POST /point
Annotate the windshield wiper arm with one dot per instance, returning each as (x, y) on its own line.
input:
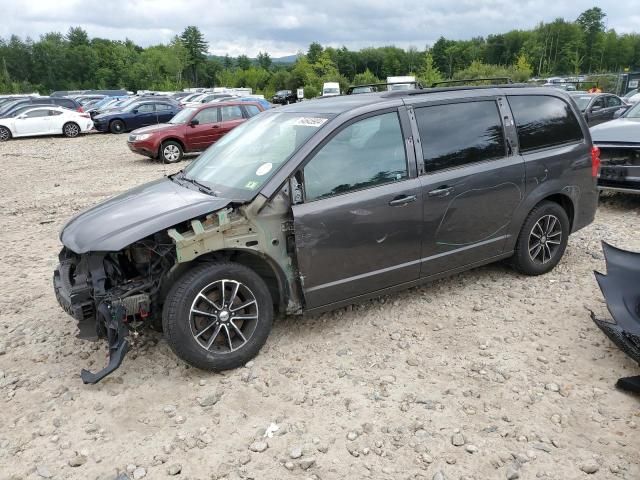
(202, 187)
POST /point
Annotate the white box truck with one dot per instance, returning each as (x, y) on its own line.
(330, 89)
(399, 83)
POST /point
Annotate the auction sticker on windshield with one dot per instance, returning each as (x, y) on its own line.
(264, 169)
(252, 185)
(310, 121)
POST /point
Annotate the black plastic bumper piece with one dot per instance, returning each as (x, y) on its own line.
(117, 331)
(621, 290)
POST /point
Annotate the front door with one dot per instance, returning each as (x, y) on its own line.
(33, 122)
(145, 116)
(471, 184)
(358, 230)
(206, 131)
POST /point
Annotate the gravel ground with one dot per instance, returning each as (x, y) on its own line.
(484, 375)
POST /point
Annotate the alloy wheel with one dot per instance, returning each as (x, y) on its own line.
(223, 316)
(171, 153)
(4, 134)
(71, 130)
(545, 239)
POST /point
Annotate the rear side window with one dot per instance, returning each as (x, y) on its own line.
(163, 107)
(231, 112)
(544, 121)
(458, 134)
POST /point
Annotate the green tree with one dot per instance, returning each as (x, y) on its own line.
(592, 23)
(243, 62)
(523, 69)
(264, 60)
(365, 78)
(77, 36)
(314, 52)
(429, 73)
(193, 40)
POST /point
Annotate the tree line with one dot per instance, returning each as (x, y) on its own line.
(75, 61)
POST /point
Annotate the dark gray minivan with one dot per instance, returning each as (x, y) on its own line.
(328, 202)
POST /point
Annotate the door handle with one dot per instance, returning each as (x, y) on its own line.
(442, 191)
(403, 200)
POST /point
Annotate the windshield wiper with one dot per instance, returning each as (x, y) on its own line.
(202, 187)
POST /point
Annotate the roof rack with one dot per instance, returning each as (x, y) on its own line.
(404, 93)
(416, 84)
(468, 80)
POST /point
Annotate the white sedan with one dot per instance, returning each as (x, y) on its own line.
(45, 120)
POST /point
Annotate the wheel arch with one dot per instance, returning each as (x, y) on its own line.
(264, 266)
(170, 139)
(566, 202)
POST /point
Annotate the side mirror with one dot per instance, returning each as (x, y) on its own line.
(618, 113)
(194, 122)
(134, 111)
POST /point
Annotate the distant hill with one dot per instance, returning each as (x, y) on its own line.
(283, 60)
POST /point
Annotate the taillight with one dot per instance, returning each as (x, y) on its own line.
(595, 161)
(80, 109)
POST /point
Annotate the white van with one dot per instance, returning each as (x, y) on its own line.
(330, 89)
(399, 83)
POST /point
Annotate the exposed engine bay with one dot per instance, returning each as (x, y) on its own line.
(112, 293)
(621, 290)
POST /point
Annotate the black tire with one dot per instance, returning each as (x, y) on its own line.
(171, 152)
(547, 218)
(5, 134)
(117, 126)
(71, 130)
(181, 327)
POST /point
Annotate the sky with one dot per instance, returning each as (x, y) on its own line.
(284, 27)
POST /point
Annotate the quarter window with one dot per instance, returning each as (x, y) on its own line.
(252, 110)
(458, 134)
(231, 112)
(544, 121)
(364, 154)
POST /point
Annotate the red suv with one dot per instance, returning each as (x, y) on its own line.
(192, 129)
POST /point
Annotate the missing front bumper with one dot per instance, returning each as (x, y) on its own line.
(621, 290)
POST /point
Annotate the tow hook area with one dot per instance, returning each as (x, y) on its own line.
(113, 317)
(621, 290)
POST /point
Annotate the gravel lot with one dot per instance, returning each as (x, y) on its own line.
(484, 375)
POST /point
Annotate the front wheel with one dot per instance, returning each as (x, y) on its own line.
(71, 130)
(542, 240)
(5, 134)
(171, 152)
(218, 315)
(117, 126)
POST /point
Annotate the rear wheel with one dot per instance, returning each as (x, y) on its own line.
(218, 315)
(117, 126)
(5, 134)
(71, 130)
(542, 240)
(171, 152)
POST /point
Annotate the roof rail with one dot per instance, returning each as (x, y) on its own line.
(415, 83)
(402, 93)
(468, 80)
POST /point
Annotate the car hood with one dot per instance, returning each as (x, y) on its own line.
(618, 130)
(110, 113)
(120, 221)
(156, 128)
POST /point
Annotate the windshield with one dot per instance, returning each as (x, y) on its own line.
(242, 161)
(633, 112)
(582, 101)
(182, 116)
(331, 90)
